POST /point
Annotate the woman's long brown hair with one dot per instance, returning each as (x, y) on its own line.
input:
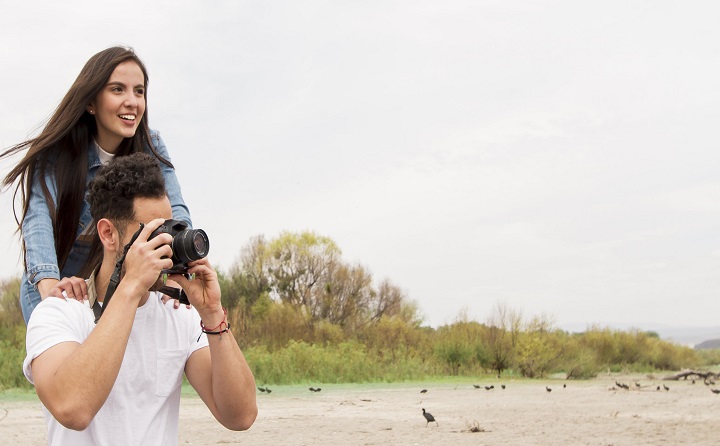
(61, 150)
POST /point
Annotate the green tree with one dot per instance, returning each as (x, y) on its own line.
(538, 348)
(347, 296)
(298, 267)
(245, 284)
(459, 344)
(501, 336)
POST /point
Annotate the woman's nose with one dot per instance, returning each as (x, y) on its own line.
(131, 100)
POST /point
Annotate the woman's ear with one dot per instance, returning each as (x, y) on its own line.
(109, 236)
(90, 108)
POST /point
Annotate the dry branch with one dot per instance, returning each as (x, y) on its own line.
(685, 374)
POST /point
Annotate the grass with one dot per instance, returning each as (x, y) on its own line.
(14, 395)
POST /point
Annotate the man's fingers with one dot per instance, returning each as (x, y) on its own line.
(150, 227)
(180, 279)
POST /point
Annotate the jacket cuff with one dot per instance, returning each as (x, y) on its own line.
(41, 272)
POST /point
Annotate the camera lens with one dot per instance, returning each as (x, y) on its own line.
(200, 243)
(190, 244)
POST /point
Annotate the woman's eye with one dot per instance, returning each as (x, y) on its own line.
(140, 91)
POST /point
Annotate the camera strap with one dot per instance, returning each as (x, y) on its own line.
(114, 279)
(175, 293)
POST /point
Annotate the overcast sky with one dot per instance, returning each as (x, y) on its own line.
(559, 157)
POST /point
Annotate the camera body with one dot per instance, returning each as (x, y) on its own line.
(187, 245)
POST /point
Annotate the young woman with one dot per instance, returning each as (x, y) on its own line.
(103, 115)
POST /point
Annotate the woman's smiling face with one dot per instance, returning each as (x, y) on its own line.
(119, 106)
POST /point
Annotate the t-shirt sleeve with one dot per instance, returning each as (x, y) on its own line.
(53, 321)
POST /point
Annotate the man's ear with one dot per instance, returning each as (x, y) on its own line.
(108, 234)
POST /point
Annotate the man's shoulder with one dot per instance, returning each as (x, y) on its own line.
(54, 308)
(62, 304)
(52, 322)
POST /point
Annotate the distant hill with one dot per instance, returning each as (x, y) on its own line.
(708, 345)
(688, 335)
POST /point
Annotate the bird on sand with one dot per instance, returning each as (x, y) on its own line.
(476, 386)
(261, 389)
(502, 385)
(716, 391)
(423, 391)
(666, 387)
(429, 418)
(548, 389)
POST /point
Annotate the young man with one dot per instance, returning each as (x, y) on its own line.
(118, 381)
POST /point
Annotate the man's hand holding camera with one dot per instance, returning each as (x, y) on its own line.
(203, 291)
(146, 259)
(152, 254)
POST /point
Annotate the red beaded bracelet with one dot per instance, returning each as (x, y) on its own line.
(218, 332)
(212, 330)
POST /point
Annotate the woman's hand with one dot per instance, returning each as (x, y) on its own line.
(165, 297)
(73, 287)
(45, 286)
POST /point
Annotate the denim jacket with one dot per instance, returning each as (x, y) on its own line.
(40, 256)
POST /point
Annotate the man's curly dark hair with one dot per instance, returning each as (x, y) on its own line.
(116, 185)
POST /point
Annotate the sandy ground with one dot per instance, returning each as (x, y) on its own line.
(583, 413)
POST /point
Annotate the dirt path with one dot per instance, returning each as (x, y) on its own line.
(584, 413)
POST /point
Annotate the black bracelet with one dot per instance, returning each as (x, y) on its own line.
(227, 327)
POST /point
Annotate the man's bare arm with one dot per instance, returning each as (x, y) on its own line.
(73, 380)
(219, 374)
(225, 383)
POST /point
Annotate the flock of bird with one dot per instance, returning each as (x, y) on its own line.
(429, 418)
(639, 386)
(266, 389)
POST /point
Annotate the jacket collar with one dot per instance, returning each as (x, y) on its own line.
(92, 291)
(93, 158)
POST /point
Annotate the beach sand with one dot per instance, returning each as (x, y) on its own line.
(583, 413)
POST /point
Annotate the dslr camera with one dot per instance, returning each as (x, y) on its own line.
(187, 245)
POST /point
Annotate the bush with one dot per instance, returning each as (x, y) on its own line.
(12, 354)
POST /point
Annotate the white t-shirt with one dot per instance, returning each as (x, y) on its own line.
(144, 403)
(103, 156)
